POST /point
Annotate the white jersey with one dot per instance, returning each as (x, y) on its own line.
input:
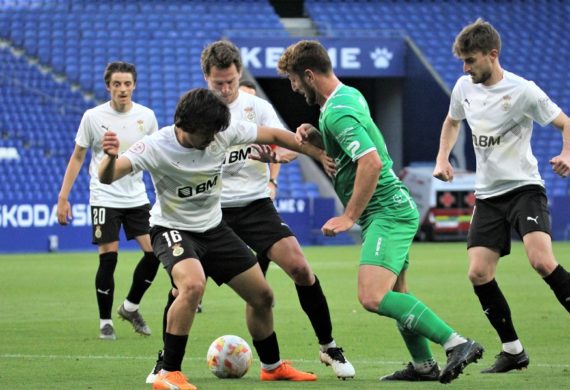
(501, 119)
(244, 179)
(187, 180)
(130, 127)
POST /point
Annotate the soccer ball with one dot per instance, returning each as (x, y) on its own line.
(229, 357)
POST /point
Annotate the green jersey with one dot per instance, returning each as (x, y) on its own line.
(348, 133)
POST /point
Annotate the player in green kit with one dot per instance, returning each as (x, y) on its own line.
(377, 200)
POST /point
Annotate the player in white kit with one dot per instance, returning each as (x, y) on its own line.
(124, 203)
(187, 231)
(500, 108)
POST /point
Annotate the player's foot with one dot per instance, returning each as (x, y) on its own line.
(135, 318)
(172, 380)
(410, 374)
(506, 362)
(458, 358)
(107, 332)
(199, 308)
(286, 372)
(156, 369)
(334, 357)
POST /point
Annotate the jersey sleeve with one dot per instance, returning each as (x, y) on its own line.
(141, 155)
(350, 135)
(84, 137)
(240, 133)
(540, 108)
(269, 116)
(456, 110)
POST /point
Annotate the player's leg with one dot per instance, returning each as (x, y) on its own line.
(176, 251)
(136, 225)
(384, 255)
(253, 288)
(172, 292)
(288, 255)
(423, 366)
(261, 227)
(539, 251)
(189, 278)
(489, 238)
(105, 234)
(230, 261)
(531, 219)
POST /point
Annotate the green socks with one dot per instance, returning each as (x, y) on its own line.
(415, 317)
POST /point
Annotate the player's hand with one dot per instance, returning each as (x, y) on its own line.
(302, 133)
(561, 164)
(266, 154)
(328, 165)
(337, 225)
(63, 211)
(111, 143)
(443, 171)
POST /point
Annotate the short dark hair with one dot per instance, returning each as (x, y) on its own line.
(478, 36)
(305, 55)
(119, 67)
(248, 84)
(221, 54)
(201, 110)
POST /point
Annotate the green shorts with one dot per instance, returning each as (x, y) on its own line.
(386, 242)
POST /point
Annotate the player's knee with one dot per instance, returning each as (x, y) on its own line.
(479, 276)
(370, 302)
(263, 300)
(543, 263)
(302, 274)
(191, 289)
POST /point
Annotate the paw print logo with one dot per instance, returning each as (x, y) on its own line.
(381, 58)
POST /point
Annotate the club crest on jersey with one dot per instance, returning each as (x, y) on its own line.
(177, 250)
(249, 114)
(507, 102)
(140, 125)
(98, 232)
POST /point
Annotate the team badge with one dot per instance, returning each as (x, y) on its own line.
(98, 232)
(137, 148)
(140, 125)
(249, 114)
(507, 102)
(398, 198)
(177, 250)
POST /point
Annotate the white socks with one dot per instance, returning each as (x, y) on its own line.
(129, 306)
(453, 341)
(513, 347)
(102, 323)
(324, 347)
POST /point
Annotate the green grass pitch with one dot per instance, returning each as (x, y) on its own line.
(49, 324)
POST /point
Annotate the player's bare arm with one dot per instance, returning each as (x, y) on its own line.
(286, 139)
(449, 132)
(561, 163)
(73, 167)
(112, 167)
(367, 174)
(307, 133)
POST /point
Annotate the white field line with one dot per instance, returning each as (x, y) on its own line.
(152, 359)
